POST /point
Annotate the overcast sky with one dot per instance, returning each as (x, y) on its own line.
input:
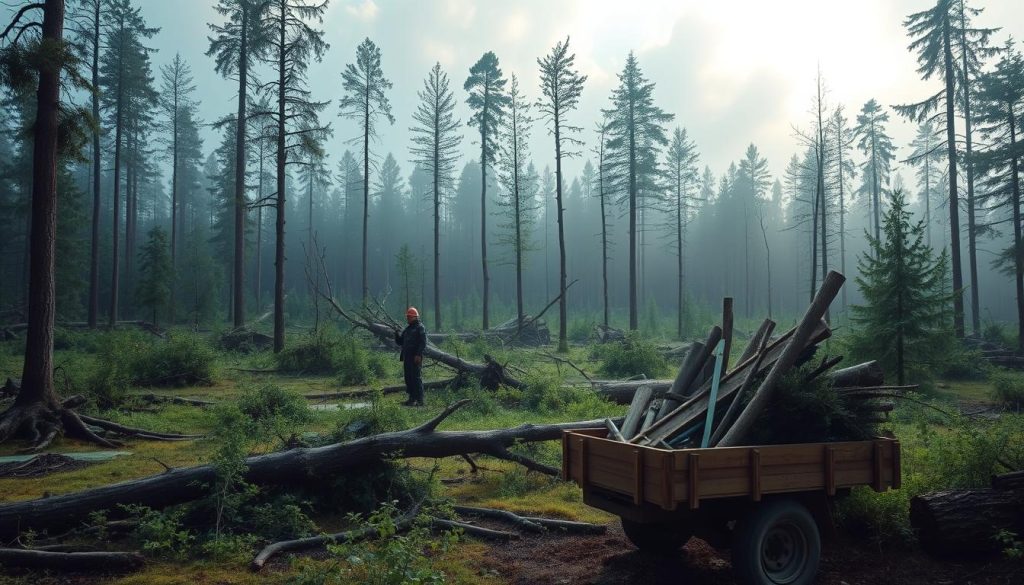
(733, 72)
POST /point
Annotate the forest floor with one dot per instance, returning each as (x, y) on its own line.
(545, 559)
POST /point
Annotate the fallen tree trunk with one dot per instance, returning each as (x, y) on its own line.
(396, 389)
(964, 523)
(866, 374)
(295, 466)
(70, 561)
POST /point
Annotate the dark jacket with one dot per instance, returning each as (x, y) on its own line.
(413, 340)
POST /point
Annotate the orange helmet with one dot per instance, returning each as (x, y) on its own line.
(412, 312)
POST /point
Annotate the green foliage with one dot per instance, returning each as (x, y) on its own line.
(1013, 547)
(394, 558)
(632, 357)
(905, 320)
(580, 330)
(998, 333)
(160, 533)
(184, 359)
(1008, 389)
(232, 435)
(382, 416)
(960, 363)
(327, 352)
(283, 517)
(237, 548)
(547, 393)
(274, 411)
(156, 274)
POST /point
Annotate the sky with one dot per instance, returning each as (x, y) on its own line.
(732, 72)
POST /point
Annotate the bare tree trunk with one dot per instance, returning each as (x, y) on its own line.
(366, 187)
(238, 283)
(94, 249)
(972, 231)
(281, 159)
(483, 210)
(563, 339)
(115, 276)
(954, 204)
(1018, 261)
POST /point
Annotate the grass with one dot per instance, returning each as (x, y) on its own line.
(500, 484)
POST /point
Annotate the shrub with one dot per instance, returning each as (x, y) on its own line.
(274, 411)
(1008, 389)
(632, 357)
(580, 330)
(182, 360)
(160, 533)
(313, 354)
(382, 416)
(960, 363)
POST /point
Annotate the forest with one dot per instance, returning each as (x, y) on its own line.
(218, 215)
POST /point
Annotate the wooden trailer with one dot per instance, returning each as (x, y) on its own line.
(770, 503)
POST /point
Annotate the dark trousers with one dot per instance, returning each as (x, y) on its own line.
(413, 380)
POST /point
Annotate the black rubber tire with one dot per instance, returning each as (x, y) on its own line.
(776, 543)
(658, 539)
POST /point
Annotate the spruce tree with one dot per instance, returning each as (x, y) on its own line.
(365, 102)
(636, 129)
(681, 170)
(903, 321)
(435, 146)
(156, 274)
(561, 85)
(877, 146)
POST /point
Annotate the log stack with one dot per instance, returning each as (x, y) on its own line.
(532, 333)
(695, 410)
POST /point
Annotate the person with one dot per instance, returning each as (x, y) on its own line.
(412, 341)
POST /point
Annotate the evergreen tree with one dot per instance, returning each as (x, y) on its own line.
(293, 43)
(635, 131)
(126, 84)
(755, 179)
(927, 158)
(877, 146)
(681, 170)
(603, 189)
(435, 145)
(406, 261)
(518, 179)
(1001, 116)
(902, 322)
(842, 172)
(157, 274)
(487, 99)
(236, 45)
(364, 101)
(561, 85)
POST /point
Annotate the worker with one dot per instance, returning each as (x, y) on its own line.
(412, 341)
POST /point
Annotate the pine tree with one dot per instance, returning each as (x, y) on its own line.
(157, 274)
(237, 44)
(561, 85)
(603, 189)
(125, 81)
(176, 102)
(635, 130)
(842, 172)
(406, 261)
(1001, 115)
(927, 158)
(681, 170)
(755, 179)
(903, 320)
(877, 146)
(518, 179)
(435, 145)
(293, 43)
(487, 99)
(365, 101)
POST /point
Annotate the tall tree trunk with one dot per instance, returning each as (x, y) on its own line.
(633, 324)
(842, 218)
(972, 231)
(238, 286)
(954, 205)
(258, 281)
(174, 209)
(484, 158)
(876, 186)
(366, 186)
(94, 248)
(37, 373)
(281, 159)
(679, 258)
(115, 276)
(1018, 261)
(604, 238)
(437, 217)
(563, 339)
(520, 314)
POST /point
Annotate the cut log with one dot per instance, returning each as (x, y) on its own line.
(691, 368)
(295, 466)
(726, 332)
(1009, 481)
(70, 561)
(866, 374)
(763, 333)
(964, 523)
(636, 412)
(796, 345)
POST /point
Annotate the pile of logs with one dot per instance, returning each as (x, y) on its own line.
(533, 332)
(709, 405)
(996, 354)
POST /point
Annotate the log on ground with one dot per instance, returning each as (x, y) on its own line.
(964, 523)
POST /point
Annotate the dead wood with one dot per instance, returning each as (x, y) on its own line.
(510, 517)
(295, 466)
(70, 561)
(160, 399)
(134, 432)
(470, 530)
(964, 522)
(865, 374)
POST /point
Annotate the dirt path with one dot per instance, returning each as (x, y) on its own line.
(610, 559)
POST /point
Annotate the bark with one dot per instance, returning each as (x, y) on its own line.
(295, 466)
(963, 523)
(70, 561)
(954, 201)
(866, 374)
(238, 274)
(280, 206)
(94, 250)
(972, 229)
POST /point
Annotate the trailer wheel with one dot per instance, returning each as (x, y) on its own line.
(659, 539)
(777, 543)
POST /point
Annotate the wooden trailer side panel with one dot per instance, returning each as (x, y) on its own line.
(670, 479)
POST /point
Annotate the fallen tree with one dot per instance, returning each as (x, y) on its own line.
(295, 466)
(26, 558)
